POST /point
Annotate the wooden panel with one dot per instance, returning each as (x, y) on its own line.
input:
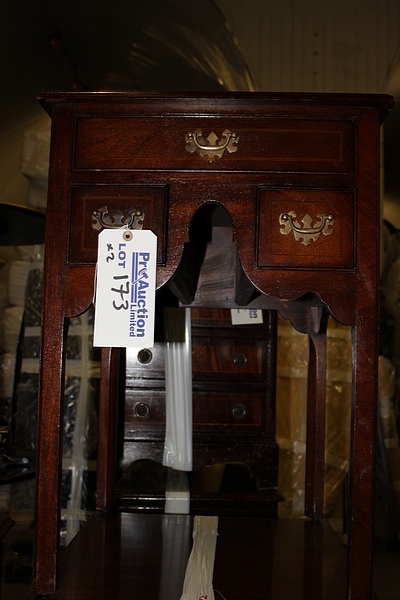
(152, 199)
(221, 359)
(227, 412)
(225, 359)
(144, 557)
(237, 412)
(138, 373)
(150, 404)
(333, 250)
(280, 144)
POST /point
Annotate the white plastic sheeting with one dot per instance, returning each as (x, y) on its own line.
(178, 388)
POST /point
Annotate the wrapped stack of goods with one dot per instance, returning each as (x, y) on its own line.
(20, 310)
(35, 166)
(81, 396)
(13, 279)
(17, 461)
(291, 417)
(81, 374)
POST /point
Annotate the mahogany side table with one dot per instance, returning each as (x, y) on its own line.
(299, 177)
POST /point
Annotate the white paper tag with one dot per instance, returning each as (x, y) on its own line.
(125, 288)
(198, 582)
(246, 316)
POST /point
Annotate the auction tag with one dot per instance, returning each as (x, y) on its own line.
(125, 288)
(246, 316)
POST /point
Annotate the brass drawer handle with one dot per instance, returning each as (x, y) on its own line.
(142, 410)
(213, 147)
(238, 411)
(240, 360)
(145, 356)
(101, 219)
(307, 232)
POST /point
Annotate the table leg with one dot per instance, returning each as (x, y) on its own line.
(316, 403)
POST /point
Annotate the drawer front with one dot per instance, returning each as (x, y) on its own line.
(220, 359)
(311, 228)
(152, 199)
(209, 142)
(236, 412)
(213, 360)
(144, 365)
(145, 412)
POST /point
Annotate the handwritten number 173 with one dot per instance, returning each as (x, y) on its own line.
(122, 291)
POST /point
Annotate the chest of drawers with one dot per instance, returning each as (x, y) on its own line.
(142, 159)
(233, 406)
(299, 178)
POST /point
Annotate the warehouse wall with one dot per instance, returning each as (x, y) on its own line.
(290, 45)
(318, 45)
(327, 46)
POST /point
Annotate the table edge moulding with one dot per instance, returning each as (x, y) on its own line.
(299, 176)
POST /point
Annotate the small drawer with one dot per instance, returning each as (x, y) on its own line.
(144, 365)
(218, 359)
(144, 412)
(151, 199)
(239, 412)
(310, 228)
(187, 142)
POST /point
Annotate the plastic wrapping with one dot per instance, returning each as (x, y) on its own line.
(177, 493)
(4, 273)
(80, 403)
(17, 280)
(22, 287)
(292, 395)
(12, 323)
(176, 544)
(7, 373)
(80, 407)
(80, 426)
(35, 165)
(178, 389)
(389, 366)
(80, 422)
(390, 436)
(390, 288)
(13, 282)
(28, 376)
(33, 253)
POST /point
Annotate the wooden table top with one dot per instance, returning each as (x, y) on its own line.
(144, 556)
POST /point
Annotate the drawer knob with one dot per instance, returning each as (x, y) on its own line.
(102, 219)
(307, 232)
(145, 356)
(238, 411)
(142, 410)
(213, 147)
(240, 359)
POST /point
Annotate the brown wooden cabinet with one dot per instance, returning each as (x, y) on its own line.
(298, 176)
(231, 381)
(233, 403)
